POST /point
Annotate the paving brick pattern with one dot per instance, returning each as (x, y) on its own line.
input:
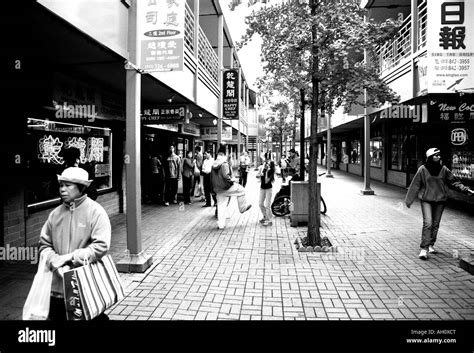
(251, 272)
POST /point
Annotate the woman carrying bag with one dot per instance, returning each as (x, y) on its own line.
(76, 231)
(430, 186)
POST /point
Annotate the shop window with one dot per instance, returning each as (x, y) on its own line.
(376, 152)
(355, 152)
(47, 141)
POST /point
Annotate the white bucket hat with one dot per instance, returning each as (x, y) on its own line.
(432, 151)
(75, 175)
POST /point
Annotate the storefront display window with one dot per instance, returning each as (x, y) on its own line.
(376, 152)
(463, 164)
(47, 141)
(355, 152)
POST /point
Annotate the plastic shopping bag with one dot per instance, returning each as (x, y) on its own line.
(37, 303)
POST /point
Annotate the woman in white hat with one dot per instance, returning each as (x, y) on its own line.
(430, 186)
(76, 230)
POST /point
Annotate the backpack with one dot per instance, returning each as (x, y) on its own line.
(218, 180)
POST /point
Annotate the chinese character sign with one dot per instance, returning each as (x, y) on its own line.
(450, 38)
(161, 34)
(230, 92)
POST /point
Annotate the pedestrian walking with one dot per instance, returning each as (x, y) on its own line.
(198, 178)
(244, 165)
(188, 174)
(206, 174)
(77, 230)
(430, 186)
(173, 175)
(266, 175)
(156, 181)
(224, 187)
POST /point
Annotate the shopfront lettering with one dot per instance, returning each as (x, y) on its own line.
(402, 111)
(458, 136)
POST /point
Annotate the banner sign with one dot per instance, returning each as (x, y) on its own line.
(452, 109)
(450, 40)
(231, 94)
(161, 34)
(165, 114)
(210, 133)
(190, 129)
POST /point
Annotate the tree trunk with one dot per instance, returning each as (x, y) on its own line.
(314, 235)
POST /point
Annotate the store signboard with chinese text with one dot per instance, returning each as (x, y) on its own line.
(210, 133)
(450, 46)
(167, 114)
(452, 109)
(161, 34)
(231, 94)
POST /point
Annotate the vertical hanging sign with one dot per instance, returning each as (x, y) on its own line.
(231, 94)
(450, 46)
(161, 34)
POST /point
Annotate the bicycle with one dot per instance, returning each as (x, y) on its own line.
(282, 203)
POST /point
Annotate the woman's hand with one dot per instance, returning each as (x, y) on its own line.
(60, 261)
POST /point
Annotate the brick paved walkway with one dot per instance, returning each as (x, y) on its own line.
(251, 272)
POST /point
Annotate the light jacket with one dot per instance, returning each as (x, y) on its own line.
(221, 175)
(207, 165)
(83, 224)
(432, 188)
(173, 167)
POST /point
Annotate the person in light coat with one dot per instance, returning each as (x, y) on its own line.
(77, 230)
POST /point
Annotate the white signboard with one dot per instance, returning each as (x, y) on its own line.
(210, 133)
(450, 46)
(161, 34)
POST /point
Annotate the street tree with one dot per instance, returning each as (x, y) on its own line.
(279, 125)
(321, 44)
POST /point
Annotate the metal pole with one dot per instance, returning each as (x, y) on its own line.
(220, 56)
(367, 190)
(329, 149)
(302, 127)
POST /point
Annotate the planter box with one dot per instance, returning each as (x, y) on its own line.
(300, 199)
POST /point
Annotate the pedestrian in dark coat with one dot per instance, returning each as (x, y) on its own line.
(430, 185)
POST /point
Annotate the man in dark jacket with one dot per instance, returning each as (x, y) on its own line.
(225, 187)
(173, 174)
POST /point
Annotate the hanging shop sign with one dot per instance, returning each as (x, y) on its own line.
(165, 114)
(190, 129)
(450, 40)
(231, 94)
(453, 109)
(161, 34)
(210, 133)
(459, 137)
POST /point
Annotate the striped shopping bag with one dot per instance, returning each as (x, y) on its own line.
(91, 289)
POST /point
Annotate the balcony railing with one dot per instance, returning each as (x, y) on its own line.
(207, 57)
(422, 24)
(390, 54)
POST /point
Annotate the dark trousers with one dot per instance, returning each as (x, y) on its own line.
(243, 176)
(187, 184)
(207, 189)
(171, 189)
(57, 311)
(432, 212)
(156, 187)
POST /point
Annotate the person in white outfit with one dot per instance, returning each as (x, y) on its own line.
(225, 187)
(266, 174)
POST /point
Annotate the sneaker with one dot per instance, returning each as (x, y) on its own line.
(247, 208)
(423, 254)
(263, 220)
(167, 203)
(267, 223)
(432, 250)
